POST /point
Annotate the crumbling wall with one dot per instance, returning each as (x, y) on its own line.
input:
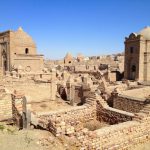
(78, 94)
(113, 116)
(11, 107)
(127, 103)
(71, 121)
(125, 135)
(68, 121)
(21, 110)
(109, 114)
(120, 136)
(17, 108)
(5, 106)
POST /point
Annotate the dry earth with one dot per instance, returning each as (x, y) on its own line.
(138, 93)
(34, 93)
(35, 139)
(13, 139)
(46, 106)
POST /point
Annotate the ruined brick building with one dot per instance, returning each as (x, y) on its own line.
(18, 51)
(68, 59)
(137, 56)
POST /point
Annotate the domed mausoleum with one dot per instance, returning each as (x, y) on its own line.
(68, 59)
(137, 56)
(18, 50)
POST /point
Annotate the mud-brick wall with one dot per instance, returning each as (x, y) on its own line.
(17, 105)
(121, 136)
(5, 106)
(129, 104)
(68, 121)
(112, 115)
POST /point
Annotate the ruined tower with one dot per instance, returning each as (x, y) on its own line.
(137, 56)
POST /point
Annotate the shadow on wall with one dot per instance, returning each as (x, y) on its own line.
(62, 92)
(119, 76)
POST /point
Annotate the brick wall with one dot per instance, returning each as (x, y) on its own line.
(127, 103)
(109, 114)
(71, 121)
(120, 136)
(17, 105)
(68, 121)
(10, 106)
(124, 135)
(5, 106)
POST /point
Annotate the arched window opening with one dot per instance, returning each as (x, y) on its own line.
(26, 51)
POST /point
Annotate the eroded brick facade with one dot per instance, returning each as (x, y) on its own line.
(18, 51)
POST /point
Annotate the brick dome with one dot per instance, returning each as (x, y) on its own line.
(68, 56)
(145, 32)
(22, 38)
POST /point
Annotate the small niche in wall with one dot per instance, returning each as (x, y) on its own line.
(40, 75)
(131, 49)
(26, 51)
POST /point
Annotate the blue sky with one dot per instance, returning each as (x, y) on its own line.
(91, 27)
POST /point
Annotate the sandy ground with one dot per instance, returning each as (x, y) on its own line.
(33, 93)
(145, 146)
(139, 93)
(39, 97)
(12, 139)
(49, 105)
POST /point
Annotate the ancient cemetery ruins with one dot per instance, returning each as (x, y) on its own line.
(101, 102)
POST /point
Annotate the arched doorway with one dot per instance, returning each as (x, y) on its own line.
(133, 72)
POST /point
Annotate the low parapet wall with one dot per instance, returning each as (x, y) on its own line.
(111, 115)
(128, 103)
